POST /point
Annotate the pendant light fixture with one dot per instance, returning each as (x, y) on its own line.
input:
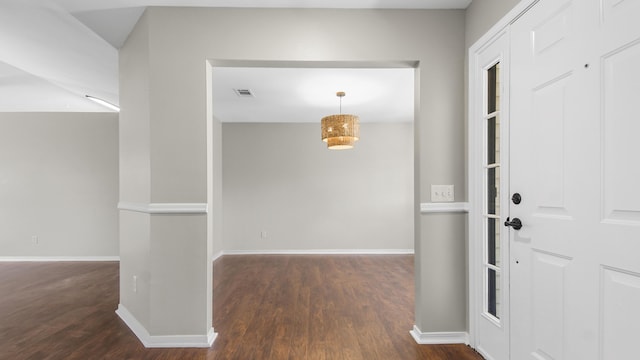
(340, 131)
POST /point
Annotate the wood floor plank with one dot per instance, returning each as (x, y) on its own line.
(265, 307)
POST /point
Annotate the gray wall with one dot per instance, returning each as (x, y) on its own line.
(59, 182)
(135, 176)
(172, 46)
(481, 15)
(280, 178)
(215, 191)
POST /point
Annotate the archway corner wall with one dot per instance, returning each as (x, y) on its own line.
(165, 149)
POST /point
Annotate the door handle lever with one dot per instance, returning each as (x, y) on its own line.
(516, 224)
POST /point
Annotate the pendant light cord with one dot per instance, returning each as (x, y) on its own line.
(340, 94)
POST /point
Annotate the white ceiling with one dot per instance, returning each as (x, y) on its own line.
(54, 52)
(308, 94)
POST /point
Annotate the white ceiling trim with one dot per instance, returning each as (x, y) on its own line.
(91, 5)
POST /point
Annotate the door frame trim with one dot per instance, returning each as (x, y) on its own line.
(474, 153)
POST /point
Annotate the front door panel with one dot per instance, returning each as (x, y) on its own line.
(574, 146)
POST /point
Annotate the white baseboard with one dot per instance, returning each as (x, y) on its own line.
(58, 258)
(217, 255)
(439, 337)
(320, 252)
(164, 341)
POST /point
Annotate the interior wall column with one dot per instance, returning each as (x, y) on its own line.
(165, 269)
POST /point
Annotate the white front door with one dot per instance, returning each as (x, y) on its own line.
(575, 162)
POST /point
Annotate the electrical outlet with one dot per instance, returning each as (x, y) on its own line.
(442, 193)
(34, 239)
(263, 234)
(135, 283)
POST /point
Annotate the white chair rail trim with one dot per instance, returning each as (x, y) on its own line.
(445, 207)
(164, 208)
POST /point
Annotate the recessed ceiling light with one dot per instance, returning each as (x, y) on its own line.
(103, 103)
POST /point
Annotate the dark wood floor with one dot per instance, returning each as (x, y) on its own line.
(265, 307)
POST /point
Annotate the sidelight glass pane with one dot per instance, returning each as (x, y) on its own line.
(493, 242)
(493, 140)
(493, 295)
(492, 89)
(493, 191)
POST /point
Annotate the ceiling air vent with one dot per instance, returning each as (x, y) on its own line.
(243, 92)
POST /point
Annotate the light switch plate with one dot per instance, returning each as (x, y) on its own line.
(442, 193)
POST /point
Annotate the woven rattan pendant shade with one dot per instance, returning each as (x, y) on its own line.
(340, 131)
